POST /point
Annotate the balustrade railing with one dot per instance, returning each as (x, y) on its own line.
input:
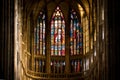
(90, 74)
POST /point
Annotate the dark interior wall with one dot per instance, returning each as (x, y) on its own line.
(1, 40)
(114, 40)
(7, 39)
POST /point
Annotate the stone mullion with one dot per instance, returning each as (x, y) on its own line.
(67, 51)
(67, 45)
(48, 44)
(32, 26)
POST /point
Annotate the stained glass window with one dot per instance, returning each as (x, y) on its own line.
(39, 35)
(76, 65)
(39, 65)
(57, 66)
(75, 35)
(86, 64)
(57, 33)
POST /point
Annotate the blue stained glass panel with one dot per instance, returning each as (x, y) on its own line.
(39, 35)
(75, 34)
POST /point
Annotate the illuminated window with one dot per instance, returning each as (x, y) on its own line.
(86, 64)
(76, 65)
(39, 65)
(57, 41)
(75, 35)
(39, 43)
(85, 35)
(57, 66)
(39, 35)
(76, 39)
(57, 33)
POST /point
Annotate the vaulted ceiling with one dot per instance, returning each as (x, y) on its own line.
(29, 4)
(35, 5)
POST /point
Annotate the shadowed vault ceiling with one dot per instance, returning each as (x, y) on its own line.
(32, 5)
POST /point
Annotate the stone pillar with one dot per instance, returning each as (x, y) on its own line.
(106, 39)
(15, 38)
(67, 41)
(97, 39)
(8, 38)
(18, 38)
(32, 44)
(48, 53)
(48, 44)
(67, 50)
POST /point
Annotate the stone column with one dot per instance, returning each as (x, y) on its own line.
(31, 46)
(67, 41)
(48, 43)
(18, 38)
(8, 38)
(106, 39)
(97, 38)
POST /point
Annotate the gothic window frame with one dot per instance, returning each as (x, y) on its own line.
(77, 63)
